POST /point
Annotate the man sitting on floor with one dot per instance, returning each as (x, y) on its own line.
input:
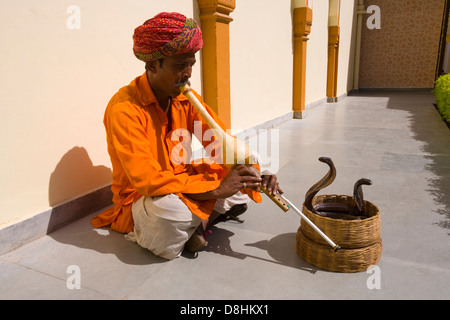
(160, 202)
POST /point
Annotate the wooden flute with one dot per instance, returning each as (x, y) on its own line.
(241, 154)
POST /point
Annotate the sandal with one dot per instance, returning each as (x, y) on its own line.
(232, 214)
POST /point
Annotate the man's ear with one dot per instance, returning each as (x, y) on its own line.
(151, 66)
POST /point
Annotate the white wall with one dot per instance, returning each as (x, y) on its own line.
(346, 46)
(55, 84)
(317, 54)
(261, 62)
(317, 51)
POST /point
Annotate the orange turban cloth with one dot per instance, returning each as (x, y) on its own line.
(166, 34)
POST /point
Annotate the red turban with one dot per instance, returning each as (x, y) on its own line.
(166, 34)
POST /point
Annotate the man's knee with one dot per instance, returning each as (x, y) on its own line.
(163, 226)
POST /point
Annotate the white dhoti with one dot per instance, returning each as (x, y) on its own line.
(164, 224)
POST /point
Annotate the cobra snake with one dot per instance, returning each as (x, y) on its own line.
(333, 209)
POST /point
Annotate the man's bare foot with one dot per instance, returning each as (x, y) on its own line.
(196, 242)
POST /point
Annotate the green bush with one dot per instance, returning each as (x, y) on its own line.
(442, 95)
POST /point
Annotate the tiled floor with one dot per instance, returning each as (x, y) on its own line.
(396, 139)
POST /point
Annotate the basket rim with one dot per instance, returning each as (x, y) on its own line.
(368, 219)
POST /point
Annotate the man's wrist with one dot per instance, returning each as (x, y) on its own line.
(203, 196)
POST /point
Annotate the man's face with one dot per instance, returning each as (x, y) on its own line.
(173, 70)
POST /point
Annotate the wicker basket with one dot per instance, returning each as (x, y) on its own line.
(346, 233)
(360, 240)
(345, 260)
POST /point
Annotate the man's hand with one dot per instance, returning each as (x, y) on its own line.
(269, 181)
(240, 177)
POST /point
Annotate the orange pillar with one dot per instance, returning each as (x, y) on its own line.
(215, 19)
(333, 48)
(302, 21)
(333, 57)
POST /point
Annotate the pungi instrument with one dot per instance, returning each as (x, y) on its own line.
(239, 153)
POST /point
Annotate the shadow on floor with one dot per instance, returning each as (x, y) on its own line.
(279, 248)
(103, 240)
(427, 127)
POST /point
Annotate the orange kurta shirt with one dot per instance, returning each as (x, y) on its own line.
(146, 154)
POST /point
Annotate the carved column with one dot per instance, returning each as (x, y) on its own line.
(333, 49)
(333, 58)
(302, 21)
(215, 19)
